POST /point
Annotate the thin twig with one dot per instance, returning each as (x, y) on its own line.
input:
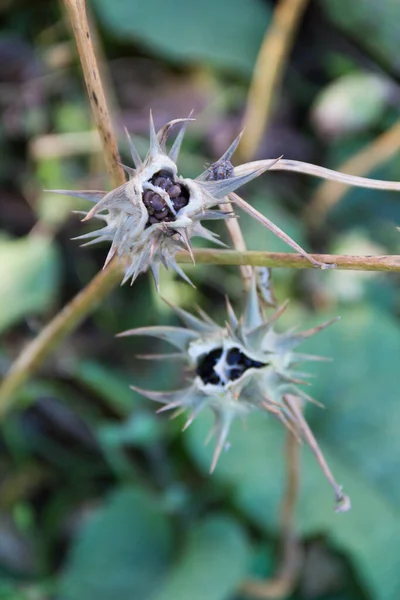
(291, 260)
(77, 13)
(72, 314)
(238, 242)
(330, 193)
(36, 352)
(266, 80)
(268, 72)
(282, 585)
(342, 502)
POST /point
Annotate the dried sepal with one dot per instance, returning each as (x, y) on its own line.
(322, 172)
(239, 367)
(157, 212)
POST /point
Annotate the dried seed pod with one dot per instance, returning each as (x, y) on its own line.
(157, 212)
(245, 365)
(144, 241)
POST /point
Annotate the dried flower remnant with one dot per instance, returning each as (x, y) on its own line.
(157, 212)
(245, 365)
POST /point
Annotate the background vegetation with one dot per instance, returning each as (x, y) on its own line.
(101, 498)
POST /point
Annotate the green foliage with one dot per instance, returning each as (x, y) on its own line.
(122, 552)
(108, 498)
(29, 274)
(357, 432)
(213, 562)
(223, 35)
(370, 23)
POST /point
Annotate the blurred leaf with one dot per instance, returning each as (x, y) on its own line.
(371, 23)
(360, 441)
(378, 210)
(360, 391)
(9, 592)
(142, 429)
(213, 562)
(29, 275)
(258, 236)
(123, 552)
(351, 104)
(226, 35)
(110, 385)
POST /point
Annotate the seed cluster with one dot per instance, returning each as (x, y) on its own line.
(222, 169)
(156, 206)
(233, 362)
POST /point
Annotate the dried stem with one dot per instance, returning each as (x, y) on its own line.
(291, 260)
(72, 314)
(238, 242)
(281, 586)
(330, 193)
(36, 352)
(342, 502)
(77, 14)
(266, 79)
(268, 72)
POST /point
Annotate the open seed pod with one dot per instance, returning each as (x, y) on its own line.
(242, 366)
(157, 212)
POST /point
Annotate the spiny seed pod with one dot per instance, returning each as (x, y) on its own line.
(157, 212)
(245, 365)
(154, 214)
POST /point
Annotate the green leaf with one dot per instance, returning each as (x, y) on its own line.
(370, 23)
(111, 386)
(213, 562)
(225, 35)
(29, 276)
(358, 433)
(360, 390)
(122, 552)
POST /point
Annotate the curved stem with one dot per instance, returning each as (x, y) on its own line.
(281, 586)
(238, 242)
(329, 193)
(36, 352)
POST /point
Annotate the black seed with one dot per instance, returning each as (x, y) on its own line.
(179, 202)
(215, 354)
(235, 374)
(153, 220)
(184, 191)
(246, 361)
(205, 368)
(162, 182)
(158, 203)
(233, 357)
(214, 379)
(174, 190)
(161, 214)
(147, 197)
(163, 173)
(257, 364)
